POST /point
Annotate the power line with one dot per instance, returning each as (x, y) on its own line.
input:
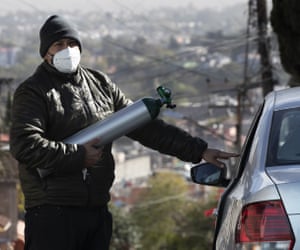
(154, 58)
(240, 42)
(177, 66)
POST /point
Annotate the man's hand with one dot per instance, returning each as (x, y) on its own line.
(213, 155)
(92, 154)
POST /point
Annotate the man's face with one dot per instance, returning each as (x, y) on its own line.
(58, 46)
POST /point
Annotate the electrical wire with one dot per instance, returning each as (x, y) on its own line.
(238, 41)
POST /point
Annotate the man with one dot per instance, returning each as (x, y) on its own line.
(67, 210)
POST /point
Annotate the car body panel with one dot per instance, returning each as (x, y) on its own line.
(289, 194)
(284, 174)
(236, 200)
(281, 100)
(254, 181)
(287, 180)
(246, 187)
(295, 224)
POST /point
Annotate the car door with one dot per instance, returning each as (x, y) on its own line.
(244, 181)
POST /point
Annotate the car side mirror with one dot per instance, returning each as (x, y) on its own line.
(209, 174)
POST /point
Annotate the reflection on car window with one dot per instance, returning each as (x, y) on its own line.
(284, 147)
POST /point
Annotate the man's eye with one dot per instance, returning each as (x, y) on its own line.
(58, 44)
(73, 44)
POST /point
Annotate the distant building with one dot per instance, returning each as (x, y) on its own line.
(8, 56)
(128, 170)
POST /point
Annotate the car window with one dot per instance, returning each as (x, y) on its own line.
(248, 142)
(284, 146)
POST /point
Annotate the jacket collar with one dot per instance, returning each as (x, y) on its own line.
(67, 76)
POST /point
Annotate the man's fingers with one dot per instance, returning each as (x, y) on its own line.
(219, 164)
(226, 155)
(94, 142)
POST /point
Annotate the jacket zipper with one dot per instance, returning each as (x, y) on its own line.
(86, 179)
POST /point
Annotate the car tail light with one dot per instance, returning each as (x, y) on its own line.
(264, 225)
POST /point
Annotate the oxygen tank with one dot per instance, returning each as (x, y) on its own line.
(121, 122)
(125, 120)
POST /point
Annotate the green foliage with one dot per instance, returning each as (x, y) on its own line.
(21, 200)
(196, 229)
(156, 211)
(126, 235)
(168, 219)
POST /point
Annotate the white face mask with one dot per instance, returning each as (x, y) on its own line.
(67, 60)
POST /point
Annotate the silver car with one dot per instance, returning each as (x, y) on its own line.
(260, 207)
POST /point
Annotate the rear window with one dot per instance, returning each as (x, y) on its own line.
(284, 146)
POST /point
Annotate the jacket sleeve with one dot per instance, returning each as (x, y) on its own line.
(161, 136)
(28, 137)
(171, 140)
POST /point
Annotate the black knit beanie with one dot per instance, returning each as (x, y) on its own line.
(54, 29)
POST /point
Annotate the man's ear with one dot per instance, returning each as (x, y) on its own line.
(48, 57)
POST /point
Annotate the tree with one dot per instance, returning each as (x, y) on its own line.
(167, 217)
(196, 228)
(125, 234)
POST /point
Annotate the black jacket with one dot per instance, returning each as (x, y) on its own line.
(50, 106)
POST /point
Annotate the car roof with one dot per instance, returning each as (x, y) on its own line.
(284, 98)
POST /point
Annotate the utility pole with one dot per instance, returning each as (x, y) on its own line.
(267, 82)
(264, 47)
(241, 89)
(257, 18)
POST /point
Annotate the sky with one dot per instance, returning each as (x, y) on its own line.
(139, 5)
